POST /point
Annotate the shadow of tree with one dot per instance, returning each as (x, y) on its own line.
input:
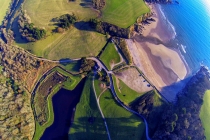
(86, 3)
(82, 25)
(172, 90)
(117, 129)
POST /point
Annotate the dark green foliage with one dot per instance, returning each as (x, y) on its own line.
(182, 120)
(98, 4)
(113, 30)
(64, 21)
(124, 49)
(86, 65)
(40, 98)
(28, 31)
(151, 107)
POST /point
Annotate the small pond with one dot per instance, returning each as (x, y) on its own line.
(64, 101)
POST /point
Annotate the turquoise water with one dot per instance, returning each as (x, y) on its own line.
(191, 22)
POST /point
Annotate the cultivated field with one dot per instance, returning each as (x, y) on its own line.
(123, 13)
(110, 56)
(205, 114)
(122, 124)
(88, 123)
(4, 6)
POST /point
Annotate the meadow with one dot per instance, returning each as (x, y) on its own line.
(41, 12)
(123, 13)
(88, 123)
(4, 6)
(110, 56)
(125, 94)
(205, 114)
(78, 41)
(122, 124)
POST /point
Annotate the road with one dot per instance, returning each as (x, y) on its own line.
(97, 99)
(101, 65)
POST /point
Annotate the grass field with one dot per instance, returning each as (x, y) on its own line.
(72, 67)
(42, 11)
(125, 94)
(74, 43)
(205, 114)
(110, 56)
(123, 13)
(87, 110)
(122, 124)
(4, 6)
(98, 87)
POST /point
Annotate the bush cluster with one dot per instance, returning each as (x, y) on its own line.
(113, 30)
(29, 31)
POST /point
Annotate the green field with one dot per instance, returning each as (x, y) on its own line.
(98, 89)
(205, 114)
(4, 6)
(122, 124)
(74, 43)
(123, 13)
(42, 11)
(125, 94)
(110, 55)
(86, 110)
(73, 67)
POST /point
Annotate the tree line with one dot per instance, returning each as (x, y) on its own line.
(107, 28)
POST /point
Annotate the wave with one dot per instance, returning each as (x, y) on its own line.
(171, 26)
(183, 48)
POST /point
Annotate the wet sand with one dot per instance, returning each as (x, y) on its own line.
(163, 66)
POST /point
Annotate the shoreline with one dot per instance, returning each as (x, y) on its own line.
(162, 64)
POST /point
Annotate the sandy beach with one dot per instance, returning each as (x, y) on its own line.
(163, 66)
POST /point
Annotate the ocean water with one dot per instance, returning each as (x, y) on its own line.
(190, 22)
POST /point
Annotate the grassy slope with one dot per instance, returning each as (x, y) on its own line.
(205, 114)
(72, 67)
(110, 55)
(42, 11)
(76, 44)
(86, 108)
(73, 43)
(4, 6)
(97, 86)
(130, 95)
(123, 13)
(122, 124)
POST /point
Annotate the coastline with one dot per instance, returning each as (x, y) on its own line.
(164, 66)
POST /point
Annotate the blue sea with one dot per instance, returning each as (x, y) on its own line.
(190, 20)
